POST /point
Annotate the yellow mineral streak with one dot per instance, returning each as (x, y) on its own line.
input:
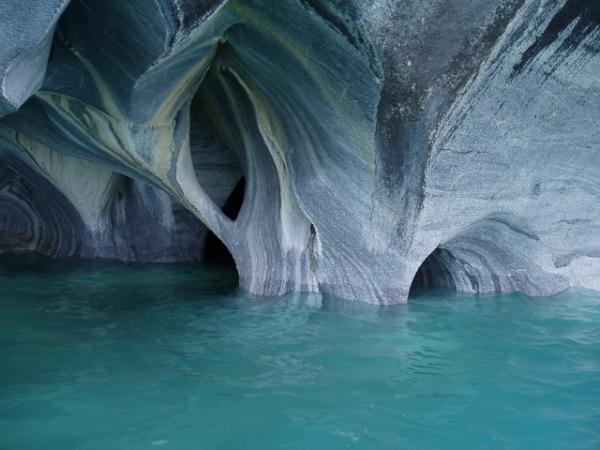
(166, 111)
(87, 185)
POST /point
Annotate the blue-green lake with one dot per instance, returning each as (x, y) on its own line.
(97, 355)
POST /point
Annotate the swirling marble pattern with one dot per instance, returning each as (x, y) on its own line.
(380, 142)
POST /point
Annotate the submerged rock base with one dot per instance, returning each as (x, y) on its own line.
(374, 143)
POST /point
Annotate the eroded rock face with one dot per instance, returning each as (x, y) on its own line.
(379, 141)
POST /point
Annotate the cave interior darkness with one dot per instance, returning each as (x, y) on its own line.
(215, 252)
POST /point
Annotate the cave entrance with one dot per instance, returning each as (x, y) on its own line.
(215, 252)
(34, 216)
(435, 272)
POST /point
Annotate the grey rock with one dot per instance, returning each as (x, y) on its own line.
(27, 32)
(450, 143)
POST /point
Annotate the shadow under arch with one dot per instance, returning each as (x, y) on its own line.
(438, 271)
(495, 254)
(35, 217)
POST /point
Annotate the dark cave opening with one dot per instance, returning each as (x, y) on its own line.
(234, 203)
(434, 272)
(215, 252)
(35, 217)
(16, 228)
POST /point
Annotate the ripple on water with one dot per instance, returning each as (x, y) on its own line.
(98, 355)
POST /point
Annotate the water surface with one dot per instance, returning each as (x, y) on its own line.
(108, 356)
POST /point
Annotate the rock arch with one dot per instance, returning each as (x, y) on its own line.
(369, 133)
(34, 215)
(499, 253)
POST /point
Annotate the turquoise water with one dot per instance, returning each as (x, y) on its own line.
(106, 356)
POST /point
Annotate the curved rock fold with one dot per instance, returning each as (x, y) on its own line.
(379, 142)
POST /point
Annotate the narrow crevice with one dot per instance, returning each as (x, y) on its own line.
(234, 203)
(311, 249)
(215, 251)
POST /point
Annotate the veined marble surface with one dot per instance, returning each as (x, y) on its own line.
(381, 142)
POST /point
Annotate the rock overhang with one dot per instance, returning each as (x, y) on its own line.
(370, 136)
